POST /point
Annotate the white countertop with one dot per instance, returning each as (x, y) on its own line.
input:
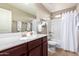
(17, 41)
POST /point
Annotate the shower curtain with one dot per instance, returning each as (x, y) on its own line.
(69, 34)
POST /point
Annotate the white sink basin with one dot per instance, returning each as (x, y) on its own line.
(24, 38)
(28, 37)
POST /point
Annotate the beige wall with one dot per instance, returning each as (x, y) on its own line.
(77, 8)
(42, 13)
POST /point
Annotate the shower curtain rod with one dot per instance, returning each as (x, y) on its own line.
(53, 14)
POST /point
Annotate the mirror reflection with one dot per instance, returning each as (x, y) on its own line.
(22, 17)
(16, 17)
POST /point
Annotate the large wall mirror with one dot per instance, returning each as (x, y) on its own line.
(7, 25)
(13, 18)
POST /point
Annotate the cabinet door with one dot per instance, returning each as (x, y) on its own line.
(45, 49)
(20, 50)
(33, 44)
(36, 51)
(45, 39)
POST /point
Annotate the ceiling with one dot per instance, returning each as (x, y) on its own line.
(26, 7)
(51, 7)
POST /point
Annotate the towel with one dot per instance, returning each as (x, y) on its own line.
(39, 28)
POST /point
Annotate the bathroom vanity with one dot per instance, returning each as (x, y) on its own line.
(36, 46)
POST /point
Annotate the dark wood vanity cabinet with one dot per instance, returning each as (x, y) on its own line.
(19, 50)
(36, 51)
(45, 49)
(33, 44)
(44, 46)
(37, 47)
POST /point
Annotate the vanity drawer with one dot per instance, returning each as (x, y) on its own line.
(34, 43)
(16, 51)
